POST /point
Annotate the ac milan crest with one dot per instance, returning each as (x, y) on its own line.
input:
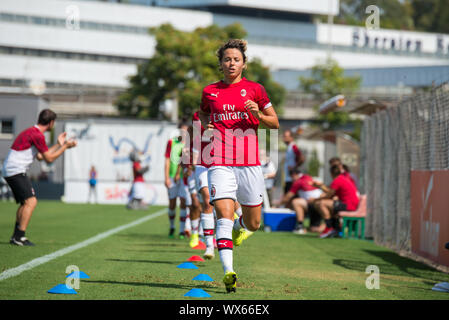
(212, 191)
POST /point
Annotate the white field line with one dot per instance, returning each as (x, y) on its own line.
(44, 259)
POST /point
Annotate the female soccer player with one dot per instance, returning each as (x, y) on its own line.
(233, 109)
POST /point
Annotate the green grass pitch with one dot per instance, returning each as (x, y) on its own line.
(140, 262)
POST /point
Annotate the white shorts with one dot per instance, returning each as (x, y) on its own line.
(201, 177)
(137, 191)
(191, 181)
(316, 193)
(242, 184)
(187, 195)
(177, 190)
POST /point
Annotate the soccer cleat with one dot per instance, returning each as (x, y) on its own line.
(230, 281)
(21, 242)
(209, 254)
(299, 231)
(240, 235)
(236, 216)
(171, 233)
(328, 233)
(194, 240)
(182, 235)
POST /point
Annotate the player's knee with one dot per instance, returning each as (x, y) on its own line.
(31, 202)
(254, 224)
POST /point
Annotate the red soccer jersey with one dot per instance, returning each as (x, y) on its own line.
(348, 175)
(28, 138)
(234, 141)
(303, 183)
(138, 177)
(346, 192)
(25, 147)
(199, 141)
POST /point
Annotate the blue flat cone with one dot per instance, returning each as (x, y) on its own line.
(203, 277)
(78, 275)
(197, 293)
(187, 265)
(62, 289)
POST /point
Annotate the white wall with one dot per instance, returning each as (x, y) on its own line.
(86, 41)
(300, 58)
(343, 35)
(109, 13)
(67, 71)
(303, 6)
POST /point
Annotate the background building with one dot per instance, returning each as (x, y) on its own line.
(79, 54)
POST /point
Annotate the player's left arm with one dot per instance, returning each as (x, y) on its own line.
(286, 199)
(328, 193)
(267, 116)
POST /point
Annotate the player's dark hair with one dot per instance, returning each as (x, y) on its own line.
(334, 160)
(346, 168)
(335, 170)
(232, 44)
(295, 171)
(46, 116)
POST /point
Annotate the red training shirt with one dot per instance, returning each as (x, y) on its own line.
(234, 141)
(346, 192)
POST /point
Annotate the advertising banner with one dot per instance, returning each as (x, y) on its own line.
(107, 146)
(430, 215)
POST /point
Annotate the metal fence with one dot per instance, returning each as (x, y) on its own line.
(414, 135)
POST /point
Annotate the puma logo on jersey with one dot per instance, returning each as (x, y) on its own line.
(215, 94)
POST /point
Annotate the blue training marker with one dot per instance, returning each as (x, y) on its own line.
(197, 293)
(203, 277)
(62, 289)
(78, 275)
(187, 265)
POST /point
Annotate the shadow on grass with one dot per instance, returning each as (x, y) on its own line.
(164, 251)
(393, 264)
(157, 240)
(144, 261)
(160, 285)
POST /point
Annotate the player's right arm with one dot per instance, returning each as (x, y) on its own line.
(57, 150)
(205, 119)
(204, 113)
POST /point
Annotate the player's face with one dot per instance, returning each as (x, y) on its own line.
(232, 63)
(287, 137)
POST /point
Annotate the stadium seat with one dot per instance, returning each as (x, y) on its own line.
(351, 220)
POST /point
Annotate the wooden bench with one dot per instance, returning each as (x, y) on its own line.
(351, 220)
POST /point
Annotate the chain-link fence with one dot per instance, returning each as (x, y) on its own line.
(414, 135)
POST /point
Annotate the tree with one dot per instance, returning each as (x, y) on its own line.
(326, 81)
(394, 14)
(431, 15)
(182, 65)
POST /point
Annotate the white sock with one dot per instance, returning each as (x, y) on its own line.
(171, 217)
(224, 243)
(195, 225)
(208, 223)
(239, 224)
(239, 211)
(200, 229)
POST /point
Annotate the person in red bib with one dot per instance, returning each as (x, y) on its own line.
(233, 108)
(346, 193)
(301, 198)
(30, 144)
